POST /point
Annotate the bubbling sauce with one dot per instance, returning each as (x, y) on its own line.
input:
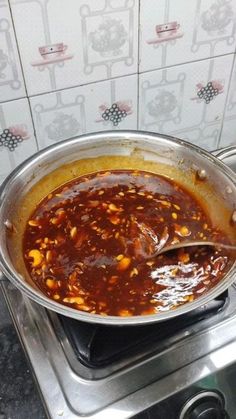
(91, 244)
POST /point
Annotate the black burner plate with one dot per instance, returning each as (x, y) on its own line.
(97, 346)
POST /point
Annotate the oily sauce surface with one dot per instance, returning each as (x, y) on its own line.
(91, 244)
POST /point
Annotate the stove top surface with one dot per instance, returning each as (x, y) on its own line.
(127, 385)
(119, 372)
(97, 346)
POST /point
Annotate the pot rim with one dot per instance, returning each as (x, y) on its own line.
(40, 298)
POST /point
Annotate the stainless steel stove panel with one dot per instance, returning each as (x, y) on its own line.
(72, 390)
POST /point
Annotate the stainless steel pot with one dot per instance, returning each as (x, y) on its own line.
(206, 176)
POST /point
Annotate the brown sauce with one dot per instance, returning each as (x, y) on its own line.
(89, 244)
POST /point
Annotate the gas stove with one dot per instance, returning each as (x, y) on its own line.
(184, 368)
(152, 382)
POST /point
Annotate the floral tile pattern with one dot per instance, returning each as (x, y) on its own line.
(183, 31)
(81, 41)
(17, 141)
(100, 106)
(186, 98)
(11, 79)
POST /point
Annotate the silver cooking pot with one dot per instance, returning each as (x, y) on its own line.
(212, 182)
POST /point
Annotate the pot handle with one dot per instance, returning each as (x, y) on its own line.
(224, 152)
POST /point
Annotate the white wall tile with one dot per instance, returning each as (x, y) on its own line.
(75, 111)
(228, 134)
(195, 30)
(205, 137)
(230, 110)
(11, 80)
(99, 40)
(15, 117)
(169, 99)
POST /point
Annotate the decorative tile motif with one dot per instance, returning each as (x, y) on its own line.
(11, 80)
(164, 105)
(119, 98)
(166, 32)
(81, 41)
(12, 137)
(51, 54)
(184, 31)
(62, 126)
(17, 141)
(58, 116)
(207, 93)
(108, 36)
(186, 99)
(111, 104)
(115, 113)
(215, 24)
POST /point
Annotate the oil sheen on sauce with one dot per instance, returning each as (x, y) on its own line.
(90, 245)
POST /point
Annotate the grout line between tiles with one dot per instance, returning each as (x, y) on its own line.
(186, 63)
(21, 67)
(139, 33)
(82, 85)
(226, 101)
(137, 101)
(118, 77)
(125, 75)
(18, 49)
(13, 100)
(35, 134)
(230, 118)
(23, 75)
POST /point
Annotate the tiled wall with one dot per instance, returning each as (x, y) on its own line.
(69, 67)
